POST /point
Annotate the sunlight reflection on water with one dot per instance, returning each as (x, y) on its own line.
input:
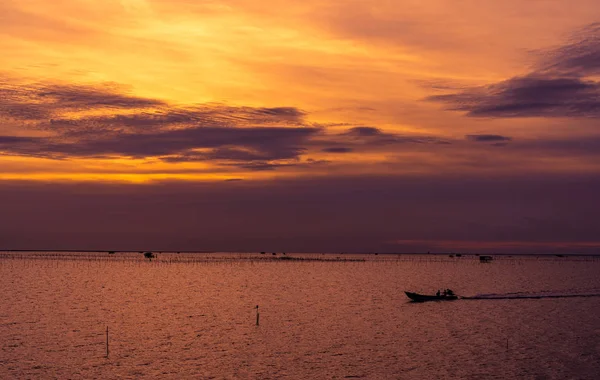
(193, 316)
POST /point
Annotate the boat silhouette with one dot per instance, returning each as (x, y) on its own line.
(416, 297)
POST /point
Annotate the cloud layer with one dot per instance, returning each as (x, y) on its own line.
(561, 85)
(408, 214)
(106, 122)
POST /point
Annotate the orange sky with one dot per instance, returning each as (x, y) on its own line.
(342, 64)
(145, 91)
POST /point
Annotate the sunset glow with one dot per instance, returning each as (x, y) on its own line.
(239, 95)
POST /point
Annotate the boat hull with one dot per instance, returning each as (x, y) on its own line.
(416, 297)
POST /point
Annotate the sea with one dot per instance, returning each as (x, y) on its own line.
(100, 315)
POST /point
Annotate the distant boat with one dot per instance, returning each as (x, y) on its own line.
(422, 297)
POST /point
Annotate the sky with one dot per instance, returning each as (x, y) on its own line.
(337, 126)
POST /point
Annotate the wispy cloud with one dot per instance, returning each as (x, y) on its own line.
(106, 122)
(169, 117)
(248, 147)
(579, 57)
(561, 85)
(375, 136)
(44, 101)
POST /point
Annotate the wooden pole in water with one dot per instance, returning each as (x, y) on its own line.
(106, 341)
(257, 315)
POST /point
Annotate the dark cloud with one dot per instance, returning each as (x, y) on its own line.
(488, 138)
(43, 101)
(579, 57)
(256, 148)
(10, 140)
(375, 137)
(219, 143)
(364, 131)
(65, 109)
(340, 149)
(73, 97)
(263, 166)
(27, 146)
(537, 95)
(562, 85)
(23, 112)
(281, 112)
(140, 127)
(254, 138)
(164, 118)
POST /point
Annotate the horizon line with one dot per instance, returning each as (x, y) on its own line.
(454, 253)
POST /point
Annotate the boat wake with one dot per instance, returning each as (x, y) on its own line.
(531, 295)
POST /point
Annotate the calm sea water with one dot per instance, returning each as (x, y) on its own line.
(194, 316)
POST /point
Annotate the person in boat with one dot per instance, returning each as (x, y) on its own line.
(438, 293)
(448, 292)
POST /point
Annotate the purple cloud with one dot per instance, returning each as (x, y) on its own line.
(43, 100)
(579, 57)
(364, 131)
(74, 97)
(255, 138)
(340, 149)
(562, 85)
(532, 96)
(488, 138)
